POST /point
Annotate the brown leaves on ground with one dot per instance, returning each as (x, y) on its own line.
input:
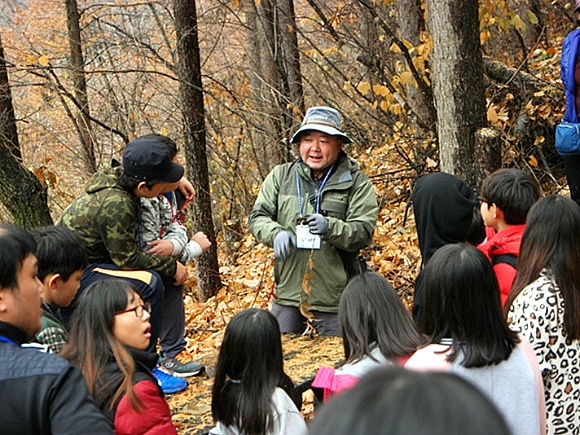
(248, 283)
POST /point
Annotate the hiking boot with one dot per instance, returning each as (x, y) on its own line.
(181, 365)
(169, 384)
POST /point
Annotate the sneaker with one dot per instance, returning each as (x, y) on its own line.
(169, 384)
(181, 365)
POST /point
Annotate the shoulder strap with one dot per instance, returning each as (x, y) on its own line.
(510, 259)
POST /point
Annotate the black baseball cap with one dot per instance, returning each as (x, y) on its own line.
(147, 159)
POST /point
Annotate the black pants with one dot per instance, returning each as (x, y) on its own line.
(572, 165)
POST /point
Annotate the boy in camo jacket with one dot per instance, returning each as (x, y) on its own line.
(162, 233)
(106, 218)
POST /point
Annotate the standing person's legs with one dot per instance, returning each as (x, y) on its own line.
(572, 165)
(175, 359)
(289, 319)
(172, 338)
(292, 321)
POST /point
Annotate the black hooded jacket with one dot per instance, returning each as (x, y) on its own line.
(446, 211)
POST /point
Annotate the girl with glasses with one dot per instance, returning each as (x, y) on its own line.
(110, 331)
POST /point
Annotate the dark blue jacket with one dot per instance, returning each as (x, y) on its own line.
(42, 393)
(567, 64)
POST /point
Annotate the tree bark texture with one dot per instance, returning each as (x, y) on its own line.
(458, 88)
(411, 24)
(276, 77)
(82, 121)
(190, 85)
(20, 191)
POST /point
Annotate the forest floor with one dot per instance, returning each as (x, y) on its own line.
(247, 283)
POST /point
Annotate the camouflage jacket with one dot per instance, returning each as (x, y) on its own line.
(106, 218)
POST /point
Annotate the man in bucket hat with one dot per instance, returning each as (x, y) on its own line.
(317, 213)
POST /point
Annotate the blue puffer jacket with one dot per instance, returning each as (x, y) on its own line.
(569, 53)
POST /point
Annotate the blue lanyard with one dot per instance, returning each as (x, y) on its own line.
(319, 193)
(7, 340)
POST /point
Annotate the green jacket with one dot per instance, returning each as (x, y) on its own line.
(348, 201)
(105, 217)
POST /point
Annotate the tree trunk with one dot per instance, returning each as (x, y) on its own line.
(190, 86)
(276, 78)
(411, 24)
(82, 121)
(20, 191)
(292, 60)
(457, 83)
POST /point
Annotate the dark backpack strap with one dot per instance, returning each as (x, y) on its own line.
(510, 259)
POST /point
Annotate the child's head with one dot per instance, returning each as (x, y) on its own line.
(109, 311)
(16, 245)
(62, 258)
(512, 191)
(168, 142)
(249, 368)
(148, 167)
(252, 345)
(19, 286)
(370, 314)
(462, 302)
(109, 316)
(551, 241)
(387, 401)
(444, 209)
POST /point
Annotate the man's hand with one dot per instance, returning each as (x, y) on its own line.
(160, 247)
(317, 224)
(186, 187)
(202, 240)
(284, 243)
(180, 274)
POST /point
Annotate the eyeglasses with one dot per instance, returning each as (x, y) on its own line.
(139, 310)
(482, 199)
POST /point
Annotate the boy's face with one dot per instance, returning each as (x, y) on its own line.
(487, 213)
(157, 189)
(65, 291)
(21, 306)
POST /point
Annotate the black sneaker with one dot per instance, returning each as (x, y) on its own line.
(181, 365)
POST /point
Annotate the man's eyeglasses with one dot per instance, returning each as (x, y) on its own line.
(482, 199)
(139, 310)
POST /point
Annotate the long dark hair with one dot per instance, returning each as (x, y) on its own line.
(249, 368)
(371, 313)
(92, 345)
(551, 241)
(462, 303)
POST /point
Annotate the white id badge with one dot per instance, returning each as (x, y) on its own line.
(306, 240)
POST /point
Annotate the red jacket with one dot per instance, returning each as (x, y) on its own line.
(506, 241)
(155, 419)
